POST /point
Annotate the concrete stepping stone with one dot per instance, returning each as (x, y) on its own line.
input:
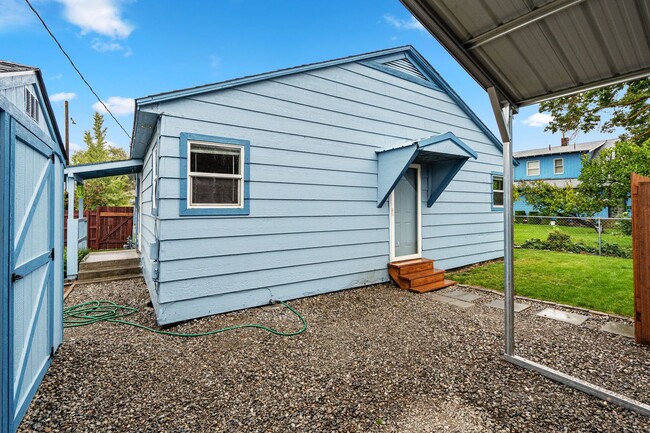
(462, 296)
(500, 304)
(563, 316)
(618, 328)
(450, 301)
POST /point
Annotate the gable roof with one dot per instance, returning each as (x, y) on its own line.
(7, 68)
(586, 147)
(404, 62)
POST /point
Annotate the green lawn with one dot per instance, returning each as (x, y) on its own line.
(593, 282)
(585, 235)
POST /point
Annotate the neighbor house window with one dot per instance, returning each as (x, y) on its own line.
(558, 166)
(532, 168)
(31, 105)
(497, 191)
(215, 175)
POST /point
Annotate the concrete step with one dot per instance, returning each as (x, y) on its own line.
(92, 266)
(108, 272)
(108, 279)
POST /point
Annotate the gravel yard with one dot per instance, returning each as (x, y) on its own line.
(375, 359)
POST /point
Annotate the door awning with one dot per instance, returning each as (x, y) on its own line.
(442, 156)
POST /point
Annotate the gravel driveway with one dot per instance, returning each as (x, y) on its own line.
(375, 359)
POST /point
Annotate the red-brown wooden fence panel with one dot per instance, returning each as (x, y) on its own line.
(641, 256)
(109, 227)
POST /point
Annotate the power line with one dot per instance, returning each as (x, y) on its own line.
(75, 67)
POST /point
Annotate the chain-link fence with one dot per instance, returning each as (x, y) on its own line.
(599, 236)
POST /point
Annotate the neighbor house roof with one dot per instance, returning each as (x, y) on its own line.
(145, 121)
(533, 50)
(586, 147)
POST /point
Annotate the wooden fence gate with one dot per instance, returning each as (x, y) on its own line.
(108, 227)
(641, 256)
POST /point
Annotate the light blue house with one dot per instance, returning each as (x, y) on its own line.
(310, 180)
(558, 165)
(31, 238)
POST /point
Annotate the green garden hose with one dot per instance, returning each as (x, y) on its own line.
(91, 312)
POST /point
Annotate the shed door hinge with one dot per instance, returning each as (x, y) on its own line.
(52, 158)
(15, 277)
(52, 254)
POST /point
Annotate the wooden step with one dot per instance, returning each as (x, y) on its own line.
(417, 279)
(108, 272)
(432, 286)
(411, 266)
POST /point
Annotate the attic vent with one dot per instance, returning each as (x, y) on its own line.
(31, 105)
(405, 66)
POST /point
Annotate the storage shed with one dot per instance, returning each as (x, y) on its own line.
(310, 180)
(31, 238)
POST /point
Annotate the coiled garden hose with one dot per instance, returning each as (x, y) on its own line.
(91, 312)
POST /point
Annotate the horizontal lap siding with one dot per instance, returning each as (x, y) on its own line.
(147, 221)
(314, 225)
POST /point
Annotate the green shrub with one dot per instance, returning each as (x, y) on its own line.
(534, 244)
(614, 250)
(625, 227)
(520, 216)
(558, 240)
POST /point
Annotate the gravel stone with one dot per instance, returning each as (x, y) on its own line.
(374, 359)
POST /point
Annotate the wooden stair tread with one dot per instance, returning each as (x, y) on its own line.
(405, 263)
(433, 286)
(421, 274)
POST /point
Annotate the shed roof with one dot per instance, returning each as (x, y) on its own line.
(533, 50)
(586, 147)
(6, 66)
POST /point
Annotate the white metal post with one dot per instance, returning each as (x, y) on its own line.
(508, 238)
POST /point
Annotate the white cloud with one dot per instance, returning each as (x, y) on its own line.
(14, 13)
(106, 47)
(537, 120)
(119, 106)
(74, 147)
(410, 24)
(98, 16)
(63, 96)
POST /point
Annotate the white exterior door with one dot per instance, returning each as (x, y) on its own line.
(405, 217)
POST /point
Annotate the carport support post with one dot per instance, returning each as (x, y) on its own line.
(72, 237)
(503, 114)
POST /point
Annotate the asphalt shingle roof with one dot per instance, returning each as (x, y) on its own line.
(6, 66)
(571, 148)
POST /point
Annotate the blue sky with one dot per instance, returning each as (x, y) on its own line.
(128, 49)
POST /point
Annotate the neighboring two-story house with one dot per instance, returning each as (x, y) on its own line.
(559, 165)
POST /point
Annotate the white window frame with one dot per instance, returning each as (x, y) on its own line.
(240, 176)
(555, 167)
(529, 168)
(494, 176)
(391, 241)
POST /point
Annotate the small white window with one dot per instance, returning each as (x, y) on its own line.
(497, 191)
(558, 166)
(532, 168)
(215, 175)
(31, 105)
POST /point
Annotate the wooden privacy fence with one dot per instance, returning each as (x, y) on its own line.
(108, 227)
(641, 256)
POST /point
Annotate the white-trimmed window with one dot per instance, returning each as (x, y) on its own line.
(558, 166)
(532, 168)
(497, 191)
(215, 175)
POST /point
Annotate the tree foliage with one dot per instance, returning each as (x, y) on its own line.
(553, 200)
(626, 106)
(109, 191)
(606, 178)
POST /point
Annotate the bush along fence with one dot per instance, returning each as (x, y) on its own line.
(599, 236)
(108, 227)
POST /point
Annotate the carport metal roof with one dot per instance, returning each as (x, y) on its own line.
(533, 50)
(527, 51)
(104, 169)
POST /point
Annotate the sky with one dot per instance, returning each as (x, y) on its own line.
(128, 49)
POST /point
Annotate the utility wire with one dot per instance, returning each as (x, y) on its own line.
(75, 67)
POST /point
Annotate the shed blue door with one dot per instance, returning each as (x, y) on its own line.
(30, 294)
(406, 210)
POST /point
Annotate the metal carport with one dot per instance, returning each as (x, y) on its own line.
(523, 52)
